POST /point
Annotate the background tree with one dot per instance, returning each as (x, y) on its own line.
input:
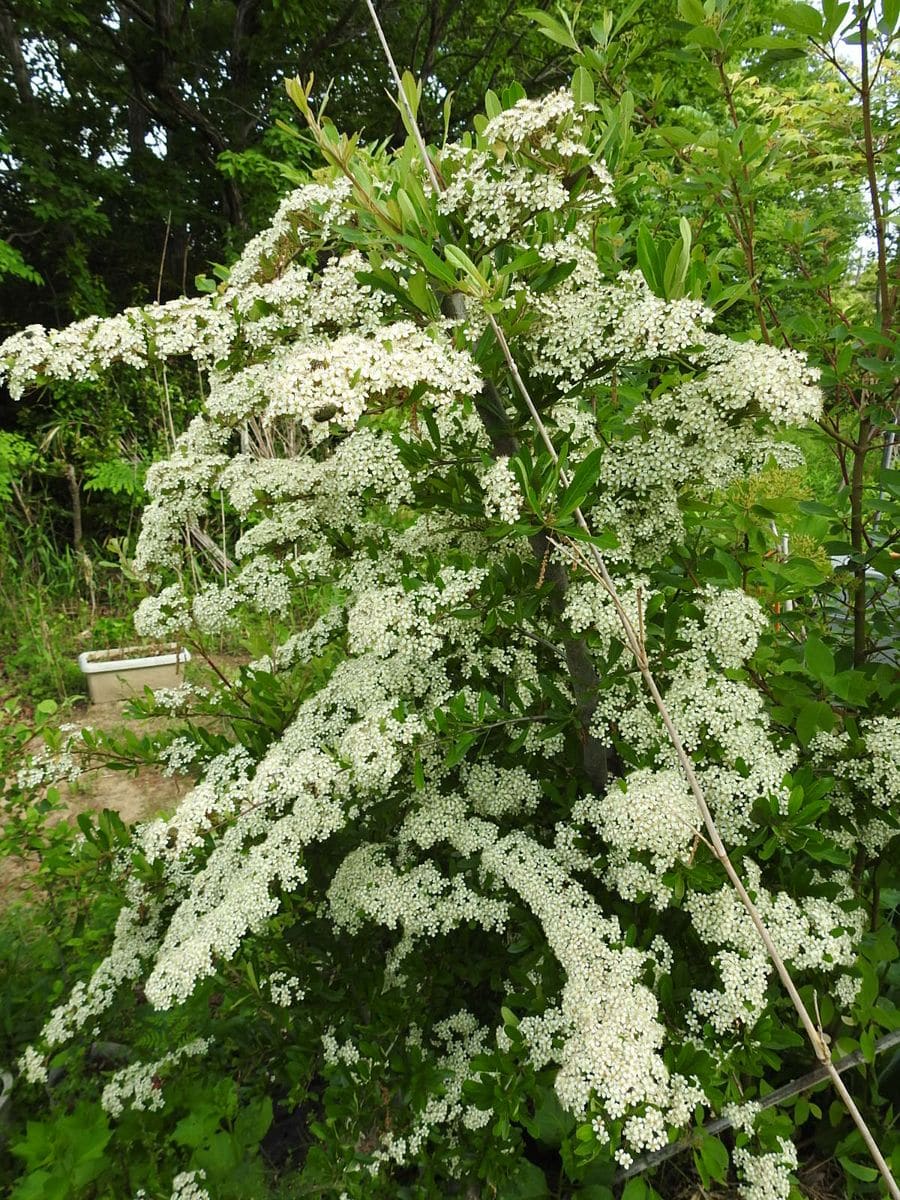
(154, 124)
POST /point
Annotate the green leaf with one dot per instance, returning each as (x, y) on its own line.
(815, 716)
(459, 259)
(858, 1171)
(582, 87)
(410, 216)
(650, 260)
(834, 14)
(585, 478)
(253, 1122)
(526, 1183)
(492, 106)
(684, 260)
(551, 28)
(551, 1123)
(446, 115)
(197, 1127)
(704, 35)
(818, 658)
(801, 17)
(412, 91)
(419, 292)
(40, 1185)
(429, 260)
(852, 686)
(12, 263)
(714, 1156)
(382, 281)
(691, 11)
(459, 749)
(890, 16)
(635, 1189)
(768, 42)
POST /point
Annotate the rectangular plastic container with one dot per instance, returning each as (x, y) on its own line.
(120, 674)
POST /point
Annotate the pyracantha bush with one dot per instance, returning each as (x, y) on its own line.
(466, 869)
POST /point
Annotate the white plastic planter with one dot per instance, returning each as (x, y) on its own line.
(121, 674)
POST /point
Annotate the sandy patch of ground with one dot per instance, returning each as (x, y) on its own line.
(135, 796)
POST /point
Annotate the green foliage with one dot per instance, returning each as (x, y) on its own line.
(16, 455)
(116, 476)
(64, 1156)
(734, 158)
(12, 263)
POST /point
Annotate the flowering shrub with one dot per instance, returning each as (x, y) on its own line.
(464, 876)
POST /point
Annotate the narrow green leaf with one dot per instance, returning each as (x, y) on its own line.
(858, 1171)
(427, 257)
(582, 87)
(684, 260)
(649, 260)
(586, 475)
(412, 90)
(691, 11)
(459, 259)
(551, 28)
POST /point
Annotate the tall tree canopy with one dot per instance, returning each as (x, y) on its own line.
(151, 123)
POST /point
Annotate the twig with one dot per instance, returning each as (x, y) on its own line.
(162, 259)
(598, 568)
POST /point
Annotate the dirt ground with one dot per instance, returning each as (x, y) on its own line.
(135, 797)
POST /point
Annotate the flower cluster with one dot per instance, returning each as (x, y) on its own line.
(812, 934)
(651, 815)
(721, 720)
(502, 495)
(767, 1176)
(188, 1185)
(285, 989)
(522, 166)
(867, 771)
(140, 1086)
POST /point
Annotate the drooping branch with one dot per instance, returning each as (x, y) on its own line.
(597, 567)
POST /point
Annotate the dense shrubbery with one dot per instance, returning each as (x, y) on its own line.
(440, 907)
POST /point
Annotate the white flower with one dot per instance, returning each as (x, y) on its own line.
(502, 495)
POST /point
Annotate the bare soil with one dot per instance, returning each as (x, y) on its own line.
(134, 796)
